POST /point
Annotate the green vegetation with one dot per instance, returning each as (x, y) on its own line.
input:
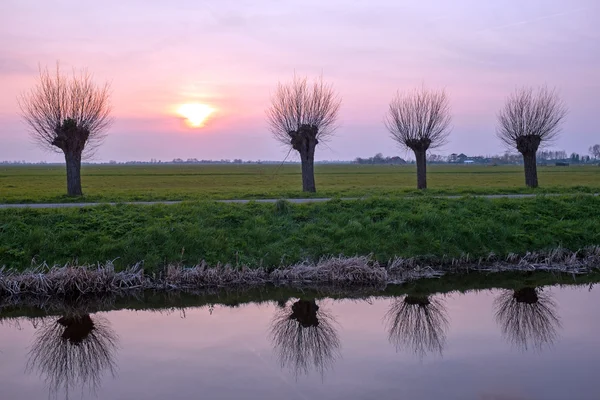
(196, 182)
(275, 234)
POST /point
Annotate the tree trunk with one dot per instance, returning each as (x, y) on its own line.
(529, 160)
(528, 145)
(73, 160)
(420, 155)
(308, 169)
(304, 141)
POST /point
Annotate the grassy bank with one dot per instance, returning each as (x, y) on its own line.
(194, 182)
(275, 234)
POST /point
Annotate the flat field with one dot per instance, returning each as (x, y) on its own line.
(196, 182)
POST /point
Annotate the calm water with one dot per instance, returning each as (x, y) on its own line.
(491, 345)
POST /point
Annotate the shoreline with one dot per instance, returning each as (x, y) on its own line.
(349, 274)
(17, 307)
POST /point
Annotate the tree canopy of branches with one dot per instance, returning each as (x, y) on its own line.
(530, 118)
(302, 115)
(528, 317)
(419, 120)
(68, 114)
(419, 323)
(304, 337)
(73, 350)
(595, 151)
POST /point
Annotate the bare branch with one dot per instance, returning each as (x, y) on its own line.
(595, 151)
(419, 119)
(302, 104)
(304, 337)
(528, 317)
(418, 323)
(532, 114)
(73, 350)
(59, 102)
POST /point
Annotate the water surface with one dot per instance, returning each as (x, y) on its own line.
(537, 343)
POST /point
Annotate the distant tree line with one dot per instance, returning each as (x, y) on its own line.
(196, 161)
(379, 159)
(71, 115)
(543, 157)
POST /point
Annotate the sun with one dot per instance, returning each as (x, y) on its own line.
(195, 114)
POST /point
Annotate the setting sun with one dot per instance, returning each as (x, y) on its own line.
(195, 114)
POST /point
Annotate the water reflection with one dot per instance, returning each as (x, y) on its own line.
(304, 337)
(418, 323)
(528, 317)
(74, 350)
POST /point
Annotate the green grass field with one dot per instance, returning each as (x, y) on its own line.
(275, 234)
(196, 182)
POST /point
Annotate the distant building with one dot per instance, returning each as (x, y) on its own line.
(397, 160)
(461, 158)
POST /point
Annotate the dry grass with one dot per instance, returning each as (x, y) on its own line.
(179, 277)
(68, 280)
(334, 270)
(556, 260)
(99, 279)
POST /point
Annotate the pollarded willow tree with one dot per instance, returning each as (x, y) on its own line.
(531, 118)
(68, 114)
(419, 323)
(528, 317)
(301, 116)
(419, 120)
(74, 350)
(304, 337)
(595, 151)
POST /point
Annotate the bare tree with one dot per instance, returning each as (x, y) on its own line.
(419, 120)
(528, 317)
(68, 114)
(74, 350)
(530, 118)
(301, 116)
(419, 323)
(304, 336)
(595, 151)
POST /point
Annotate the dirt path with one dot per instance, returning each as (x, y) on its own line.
(295, 201)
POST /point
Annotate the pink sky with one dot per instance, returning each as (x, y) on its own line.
(230, 55)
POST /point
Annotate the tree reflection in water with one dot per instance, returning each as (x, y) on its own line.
(419, 323)
(304, 337)
(73, 350)
(528, 317)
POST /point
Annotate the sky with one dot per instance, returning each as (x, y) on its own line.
(230, 54)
